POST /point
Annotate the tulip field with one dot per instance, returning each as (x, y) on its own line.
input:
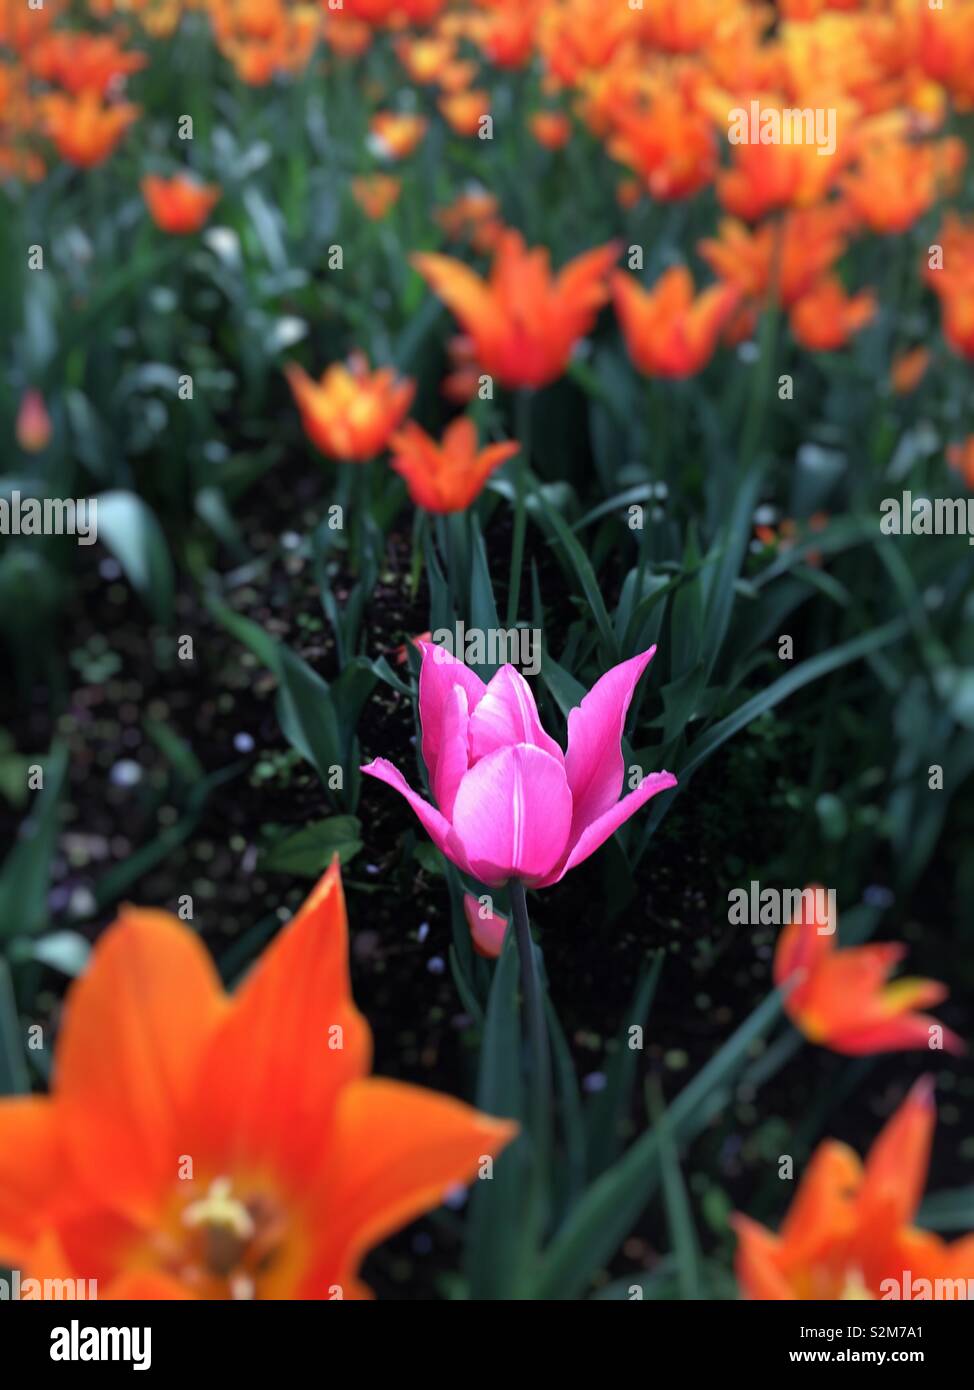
(487, 630)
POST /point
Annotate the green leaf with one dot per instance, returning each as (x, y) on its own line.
(131, 532)
(500, 1228)
(26, 873)
(13, 1068)
(611, 1206)
(309, 851)
(611, 1107)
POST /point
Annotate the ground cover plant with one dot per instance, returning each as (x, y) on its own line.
(487, 726)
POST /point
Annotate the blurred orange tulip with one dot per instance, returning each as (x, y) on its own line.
(376, 194)
(842, 998)
(552, 129)
(796, 249)
(848, 1233)
(908, 370)
(84, 129)
(825, 318)
(446, 477)
(464, 111)
(395, 134)
(33, 427)
(523, 320)
(961, 459)
(179, 205)
(669, 332)
(351, 413)
(895, 183)
(201, 1146)
(79, 62)
(949, 271)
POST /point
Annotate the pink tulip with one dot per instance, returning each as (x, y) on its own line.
(509, 802)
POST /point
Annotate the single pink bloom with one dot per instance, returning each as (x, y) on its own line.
(509, 802)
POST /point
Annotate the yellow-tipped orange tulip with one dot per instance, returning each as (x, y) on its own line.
(351, 412)
(842, 997)
(523, 320)
(668, 331)
(848, 1233)
(446, 477)
(197, 1145)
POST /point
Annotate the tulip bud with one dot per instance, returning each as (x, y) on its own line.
(33, 428)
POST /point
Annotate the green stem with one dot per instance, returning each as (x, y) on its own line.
(521, 465)
(537, 1029)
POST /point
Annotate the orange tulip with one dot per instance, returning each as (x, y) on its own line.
(446, 477)
(351, 413)
(552, 129)
(395, 134)
(952, 280)
(961, 459)
(79, 62)
(668, 331)
(848, 1232)
(376, 194)
(766, 178)
(895, 183)
(578, 37)
(908, 370)
(201, 1146)
(843, 999)
(826, 317)
(805, 244)
(464, 111)
(179, 205)
(523, 320)
(33, 427)
(85, 130)
(487, 927)
(668, 143)
(425, 58)
(506, 34)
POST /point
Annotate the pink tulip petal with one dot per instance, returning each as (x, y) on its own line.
(594, 764)
(452, 760)
(439, 673)
(507, 715)
(436, 825)
(599, 830)
(512, 813)
(487, 927)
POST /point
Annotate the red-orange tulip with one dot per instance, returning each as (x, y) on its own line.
(795, 250)
(668, 331)
(78, 62)
(523, 320)
(848, 1233)
(446, 477)
(201, 1146)
(843, 999)
(826, 317)
(179, 205)
(351, 412)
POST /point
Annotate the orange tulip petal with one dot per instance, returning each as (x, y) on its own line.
(128, 1053)
(31, 1163)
